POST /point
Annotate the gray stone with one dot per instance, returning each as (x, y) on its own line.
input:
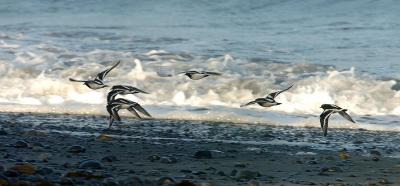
(76, 149)
(90, 164)
(21, 144)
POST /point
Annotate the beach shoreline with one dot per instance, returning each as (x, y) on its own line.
(199, 152)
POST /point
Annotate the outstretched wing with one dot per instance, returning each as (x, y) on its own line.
(75, 80)
(346, 116)
(324, 118)
(249, 103)
(141, 109)
(212, 73)
(274, 94)
(138, 90)
(133, 111)
(103, 74)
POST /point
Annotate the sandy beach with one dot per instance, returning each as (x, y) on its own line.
(52, 150)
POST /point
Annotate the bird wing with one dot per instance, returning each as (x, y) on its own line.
(75, 80)
(100, 76)
(141, 109)
(138, 90)
(249, 103)
(110, 122)
(212, 73)
(324, 117)
(112, 109)
(133, 111)
(274, 94)
(346, 116)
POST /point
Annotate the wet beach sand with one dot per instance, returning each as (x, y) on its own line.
(41, 149)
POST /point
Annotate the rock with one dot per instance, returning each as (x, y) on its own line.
(110, 158)
(24, 168)
(66, 181)
(166, 181)
(3, 132)
(312, 162)
(247, 175)
(233, 172)
(375, 153)
(221, 173)
(110, 182)
(186, 183)
(44, 171)
(11, 173)
(76, 149)
(203, 154)
(21, 144)
(153, 158)
(168, 160)
(185, 171)
(198, 173)
(254, 183)
(132, 181)
(90, 164)
(240, 165)
(375, 159)
(383, 181)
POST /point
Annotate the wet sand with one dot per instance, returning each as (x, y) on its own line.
(79, 150)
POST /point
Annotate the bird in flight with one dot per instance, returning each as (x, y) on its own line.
(196, 75)
(269, 100)
(330, 109)
(97, 83)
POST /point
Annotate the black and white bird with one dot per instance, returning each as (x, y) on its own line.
(330, 109)
(196, 75)
(269, 100)
(97, 83)
(122, 90)
(114, 106)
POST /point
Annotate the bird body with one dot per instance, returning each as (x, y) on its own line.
(196, 75)
(115, 105)
(330, 109)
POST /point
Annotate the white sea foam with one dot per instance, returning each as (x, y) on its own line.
(37, 81)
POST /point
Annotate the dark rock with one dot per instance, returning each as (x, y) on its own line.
(110, 158)
(254, 183)
(168, 160)
(221, 173)
(198, 173)
(21, 144)
(3, 132)
(312, 162)
(133, 181)
(185, 171)
(375, 153)
(375, 159)
(44, 171)
(166, 181)
(240, 165)
(153, 158)
(203, 154)
(383, 181)
(233, 172)
(247, 175)
(76, 149)
(90, 164)
(11, 173)
(66, 181)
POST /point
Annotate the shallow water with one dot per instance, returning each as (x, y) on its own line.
(341, 52)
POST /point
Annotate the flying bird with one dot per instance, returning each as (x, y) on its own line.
(123, 90)
(269, 100)
(120, 103)
(97, 83)
(330, 109)
(196, 75)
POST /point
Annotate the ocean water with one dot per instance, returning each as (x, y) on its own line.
(341, 52)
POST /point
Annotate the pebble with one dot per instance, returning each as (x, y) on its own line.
(247, 175)
(90, 164)
(203, 154)
(254, 183)
(166, 181)
(168, 160)
(21, 144)
(375, 159)
(76, 149)
(153, 158)
(240, 165)
(383, 181)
